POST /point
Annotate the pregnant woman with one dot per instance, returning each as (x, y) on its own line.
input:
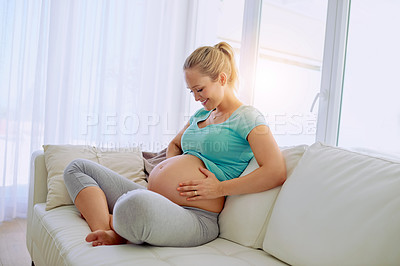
(186, 192)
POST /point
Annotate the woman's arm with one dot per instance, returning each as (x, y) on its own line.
(271, 172)
(174, 147)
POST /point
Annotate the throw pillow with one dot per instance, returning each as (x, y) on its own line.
(128, 163)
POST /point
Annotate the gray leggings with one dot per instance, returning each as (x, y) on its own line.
(140, 215)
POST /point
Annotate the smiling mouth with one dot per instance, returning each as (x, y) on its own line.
(204, 102)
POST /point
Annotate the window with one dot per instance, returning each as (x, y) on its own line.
(370, 113)
(290, 43)
(289, 64)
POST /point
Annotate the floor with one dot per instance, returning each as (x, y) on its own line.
(13, 251)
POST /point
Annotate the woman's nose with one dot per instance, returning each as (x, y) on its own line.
(196, 96)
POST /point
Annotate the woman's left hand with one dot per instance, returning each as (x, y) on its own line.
(208, 188)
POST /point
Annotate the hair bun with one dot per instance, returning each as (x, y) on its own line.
(225, 48)
(212, 60)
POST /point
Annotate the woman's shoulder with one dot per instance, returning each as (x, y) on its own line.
(247, 117)
(249, 111)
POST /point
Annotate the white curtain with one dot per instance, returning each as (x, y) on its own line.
(105, 73)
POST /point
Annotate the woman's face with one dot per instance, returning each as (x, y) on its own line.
(210, 93)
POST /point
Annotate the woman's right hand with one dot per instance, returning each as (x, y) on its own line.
(174, 147)
(208, 188)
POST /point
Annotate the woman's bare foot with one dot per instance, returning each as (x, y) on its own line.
(105, 237)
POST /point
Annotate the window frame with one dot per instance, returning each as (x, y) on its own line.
(249, 49)
(333, 66)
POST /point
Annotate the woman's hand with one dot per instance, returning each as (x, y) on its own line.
(208, 188)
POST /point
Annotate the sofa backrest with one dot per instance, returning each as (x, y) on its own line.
(339, 207)
(244, 218)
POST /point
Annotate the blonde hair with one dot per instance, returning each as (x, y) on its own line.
(212, 60)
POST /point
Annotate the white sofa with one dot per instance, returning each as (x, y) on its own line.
(338, 207)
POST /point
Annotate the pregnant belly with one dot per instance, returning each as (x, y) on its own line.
(166, 176)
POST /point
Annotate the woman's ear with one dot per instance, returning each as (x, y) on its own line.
(223, 79)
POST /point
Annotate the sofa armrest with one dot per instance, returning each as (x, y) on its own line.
(37, 190)
(38, 179)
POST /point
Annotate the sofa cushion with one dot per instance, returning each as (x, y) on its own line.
(126, 162)
(244, 217)
(59, 238)
(339, 207)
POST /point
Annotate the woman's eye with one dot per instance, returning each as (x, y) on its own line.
(199, 90)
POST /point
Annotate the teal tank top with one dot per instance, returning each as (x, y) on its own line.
(223, 147)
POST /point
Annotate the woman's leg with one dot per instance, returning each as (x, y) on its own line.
(94, 190)
(92, 204)
(143, 216)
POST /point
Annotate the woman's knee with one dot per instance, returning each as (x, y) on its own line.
(133, 215)
(74, 176)
(133, 205)
(79, 166)
(76, 165)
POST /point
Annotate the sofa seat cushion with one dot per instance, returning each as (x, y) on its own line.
(59, 237)
(339, 207)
